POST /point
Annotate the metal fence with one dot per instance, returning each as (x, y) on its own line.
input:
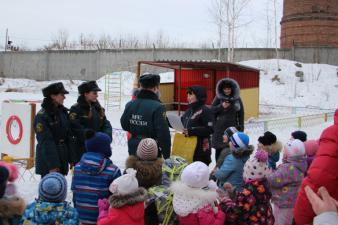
(120, 136)
(278, 110)
(289, 122)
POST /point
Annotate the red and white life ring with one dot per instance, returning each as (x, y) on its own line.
(14, 136)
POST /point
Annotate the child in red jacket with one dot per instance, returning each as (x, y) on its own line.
(126, 202)
(194, 197)
(322, 172)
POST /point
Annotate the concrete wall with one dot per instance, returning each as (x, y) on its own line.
(325, 55)
(92, 64)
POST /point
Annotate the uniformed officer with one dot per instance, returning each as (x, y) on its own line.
(54, 148)
(87, 113)
(145, 117)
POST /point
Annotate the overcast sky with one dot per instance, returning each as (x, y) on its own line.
(34, 22)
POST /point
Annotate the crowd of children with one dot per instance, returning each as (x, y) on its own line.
(251, 186)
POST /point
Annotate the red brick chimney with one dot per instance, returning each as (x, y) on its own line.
(309, 23)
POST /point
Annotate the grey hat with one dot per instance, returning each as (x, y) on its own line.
(53, 188)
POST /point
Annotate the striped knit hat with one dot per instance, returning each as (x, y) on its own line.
(147, 149)
(239, 141)
(53, 188)
(230, 131)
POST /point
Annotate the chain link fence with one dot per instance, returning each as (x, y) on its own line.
(290, 122)
(119, 137)
(278, 111)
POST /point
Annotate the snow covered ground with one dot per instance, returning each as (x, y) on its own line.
(319, 89)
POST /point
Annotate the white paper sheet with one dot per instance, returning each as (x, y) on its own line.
(175, 121)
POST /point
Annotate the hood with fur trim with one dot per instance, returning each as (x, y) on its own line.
(118, 201)
(274, 148)
(149, 173)
(234, 89)
(188, 200)
(12, 206)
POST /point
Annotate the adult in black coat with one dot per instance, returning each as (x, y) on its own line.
(198, 121)
(88, 114)
(228, 111)
(145, 117)
(55, 147)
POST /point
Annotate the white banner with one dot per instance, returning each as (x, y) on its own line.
(16, 129)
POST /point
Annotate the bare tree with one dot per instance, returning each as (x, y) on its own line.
(276, 33)
(217, 11)
(162, 41)
(268, 24)
(87, 42)
(60, 39)
(104, 42)
(227, 13)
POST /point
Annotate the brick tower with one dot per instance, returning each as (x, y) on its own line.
(309, 23)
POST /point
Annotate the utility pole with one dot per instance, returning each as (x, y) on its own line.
(6, 39)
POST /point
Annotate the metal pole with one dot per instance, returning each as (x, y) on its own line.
(6, 41)
(179, 90)
(138, 73)
(120, 90)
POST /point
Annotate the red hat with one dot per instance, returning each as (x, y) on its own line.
(311, 147)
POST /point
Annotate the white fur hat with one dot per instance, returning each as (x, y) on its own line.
(196, 175)
(294, 147)
(125, 184)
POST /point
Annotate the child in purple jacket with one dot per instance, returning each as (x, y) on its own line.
(286, 180)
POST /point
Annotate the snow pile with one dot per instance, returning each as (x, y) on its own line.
(315, 85)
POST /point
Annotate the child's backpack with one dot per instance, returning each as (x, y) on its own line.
(172, 168)
(161, 195)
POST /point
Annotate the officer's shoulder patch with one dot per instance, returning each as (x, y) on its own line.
(41, 112)
(72, 116)
(39, 127)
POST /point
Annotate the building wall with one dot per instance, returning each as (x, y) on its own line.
(293, 7)
(249, 81)
(309, 23)
(89, 65)
(250, 98)
(167, 95)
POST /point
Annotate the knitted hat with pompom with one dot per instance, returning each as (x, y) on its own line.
(257, 166)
